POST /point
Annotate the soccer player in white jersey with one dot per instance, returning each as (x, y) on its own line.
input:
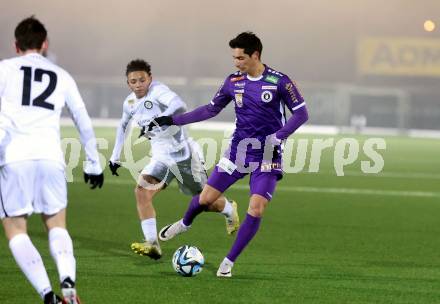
(33, 92)
(173, 154)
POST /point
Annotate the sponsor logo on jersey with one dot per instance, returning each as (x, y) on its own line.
(144, 122)
(241, 91)
(267, 167)
(130, 102)
(271, 78)
(235, 79)
(240, 84)
(268, 87)
(290, 89)
(239, 100)
(266, 96)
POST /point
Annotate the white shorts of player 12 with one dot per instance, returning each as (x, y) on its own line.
(33, 186)
(188, 261)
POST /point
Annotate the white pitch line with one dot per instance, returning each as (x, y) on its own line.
(350, 191)
(361, 191)
(389, 174)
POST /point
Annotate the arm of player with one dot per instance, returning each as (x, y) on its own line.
(201, 113)
(299, 117)
(2, 78)
(2, 85)
(119, 142)
(174, 104)
(205, 112)
(296, 104)
(92, 167)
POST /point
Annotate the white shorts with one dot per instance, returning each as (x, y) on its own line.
(190, 174)
(34, 186)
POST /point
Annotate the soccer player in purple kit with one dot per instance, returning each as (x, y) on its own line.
(260, 94)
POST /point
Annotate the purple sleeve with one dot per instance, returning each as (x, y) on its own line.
(220, 100)
(298, 118)
(199, 114)
(290, 94)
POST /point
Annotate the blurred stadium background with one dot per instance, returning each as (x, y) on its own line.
(359, 64)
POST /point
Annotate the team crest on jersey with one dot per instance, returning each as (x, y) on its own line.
(266, 96)
(148, 104)
(239, 100)
(271, 78)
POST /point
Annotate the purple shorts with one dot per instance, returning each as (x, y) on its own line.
(262, 183)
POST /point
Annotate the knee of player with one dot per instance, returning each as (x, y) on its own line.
(145, 192)
(148, 183)
(207, 199)
(256, 212)
(209, 195)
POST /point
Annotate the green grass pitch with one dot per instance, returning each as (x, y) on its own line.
(359, 238)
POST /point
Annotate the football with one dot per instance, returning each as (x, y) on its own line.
(188, 261)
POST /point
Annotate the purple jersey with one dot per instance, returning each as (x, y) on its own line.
(259, 104)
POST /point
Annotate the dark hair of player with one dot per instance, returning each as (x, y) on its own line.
(138, 65)
(247, 41)
(30, 34)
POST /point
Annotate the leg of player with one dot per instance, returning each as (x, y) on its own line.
(198, 204)
(145, 191)
(193, 182)
(217, 183)
(61, 249)
(247, 231)
(26, 255)
(262, 186)
(229, 210)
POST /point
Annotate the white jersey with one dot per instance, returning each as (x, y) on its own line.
(167, 143)
(33, 92)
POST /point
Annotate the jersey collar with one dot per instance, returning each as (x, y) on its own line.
(259, 77)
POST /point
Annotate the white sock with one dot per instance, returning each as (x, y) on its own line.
(150, 230)
(227, 211)
(61, 248)
(30, 262)
(183, 225)
(227, 262)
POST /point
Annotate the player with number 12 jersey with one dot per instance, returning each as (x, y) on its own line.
(33, 92)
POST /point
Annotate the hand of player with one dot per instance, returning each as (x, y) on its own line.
(96, 180)
(273, 140)
(276, 153)
(276, 143)
(161, 121)
(114, 167)
(147, 134)
(142, 133)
